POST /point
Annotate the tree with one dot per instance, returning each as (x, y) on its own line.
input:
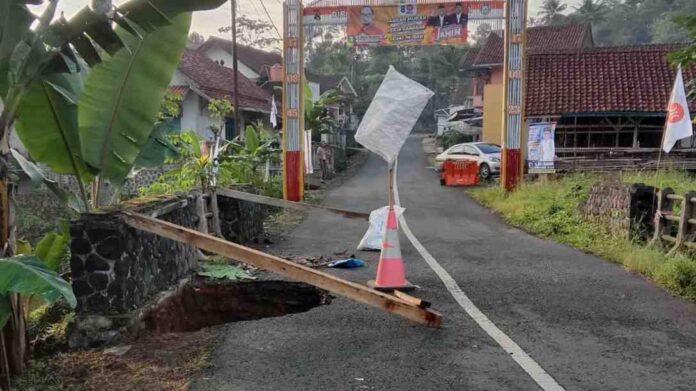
(255, 33)
(686, 56)
(195, 40)
(590, 11)
(482, 32)
(56, 66)
(550, 12)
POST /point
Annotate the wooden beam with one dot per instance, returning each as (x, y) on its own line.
(277, 202)
(351, 290)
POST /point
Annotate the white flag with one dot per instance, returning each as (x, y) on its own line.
(678, 118)
(392, 114)
(274, 113)
(308, 156)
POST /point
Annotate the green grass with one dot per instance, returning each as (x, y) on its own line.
(551, 210)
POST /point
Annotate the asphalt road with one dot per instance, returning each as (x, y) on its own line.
(589, 323)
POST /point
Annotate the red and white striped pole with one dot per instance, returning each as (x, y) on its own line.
(512, 164)
(293, 110)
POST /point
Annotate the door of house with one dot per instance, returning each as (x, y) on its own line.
(230, 131)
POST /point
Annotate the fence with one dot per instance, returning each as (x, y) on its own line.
(675, 219)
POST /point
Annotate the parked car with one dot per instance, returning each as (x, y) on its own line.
(486, 156)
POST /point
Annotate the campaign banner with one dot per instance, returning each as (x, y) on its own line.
(408, 24)
(541, 147)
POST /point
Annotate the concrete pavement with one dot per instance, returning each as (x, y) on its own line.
(589, 323)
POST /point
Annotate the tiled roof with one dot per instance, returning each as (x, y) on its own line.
(614, 79)
(256, 59)
(541, 39)
(218, 82)
(326, 82)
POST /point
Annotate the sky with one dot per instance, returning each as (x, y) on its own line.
(208, 22)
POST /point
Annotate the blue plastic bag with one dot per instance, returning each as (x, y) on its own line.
(349, 263)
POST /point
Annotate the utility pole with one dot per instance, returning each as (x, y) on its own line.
(235, 70)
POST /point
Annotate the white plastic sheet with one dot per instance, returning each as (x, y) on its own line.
(372, 240)
(392, 114)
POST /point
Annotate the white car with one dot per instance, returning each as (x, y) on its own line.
(486, 156)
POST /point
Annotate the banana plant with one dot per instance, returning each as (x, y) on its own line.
(83, 94)
(99, 77)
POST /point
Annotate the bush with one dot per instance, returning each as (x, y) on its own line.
(551, 210)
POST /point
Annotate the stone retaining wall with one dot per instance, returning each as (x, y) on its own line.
(115, 268)
(118, 271)
(625, 208)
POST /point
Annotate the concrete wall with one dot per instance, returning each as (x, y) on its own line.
(492, 113)
(316, 90)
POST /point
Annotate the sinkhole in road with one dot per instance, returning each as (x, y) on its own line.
(202, 303)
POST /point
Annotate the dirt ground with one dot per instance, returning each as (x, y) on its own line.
(153, 362)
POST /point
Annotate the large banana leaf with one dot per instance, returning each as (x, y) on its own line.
(122, 95)
(29, 276)
(158, 148)
(38, 178)
(15, 20)
(54, 248)
(47, 123)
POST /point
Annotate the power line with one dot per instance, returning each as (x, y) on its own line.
(270, 19)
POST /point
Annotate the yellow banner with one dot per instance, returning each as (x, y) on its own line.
(408, 24)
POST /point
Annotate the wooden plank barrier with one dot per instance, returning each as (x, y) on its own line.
(412, 308)
(666, 219)
(280, 203)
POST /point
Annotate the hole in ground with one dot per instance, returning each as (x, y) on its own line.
(203, 303)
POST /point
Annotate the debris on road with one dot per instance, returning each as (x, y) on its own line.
(349, 263)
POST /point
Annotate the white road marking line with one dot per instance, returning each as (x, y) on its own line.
(538, 374)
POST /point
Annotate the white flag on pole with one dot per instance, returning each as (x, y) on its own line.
(678, 118)
(392, 114)
(308, 156)
(274, 113)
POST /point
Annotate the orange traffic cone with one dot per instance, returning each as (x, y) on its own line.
(390, 271)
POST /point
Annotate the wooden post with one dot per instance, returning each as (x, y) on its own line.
(351, 290)
(200, 211)
(390, 184)
(216, 213)
(684, 226)
(664, 206)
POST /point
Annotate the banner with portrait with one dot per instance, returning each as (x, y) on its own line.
(407, 24)
(541, 147)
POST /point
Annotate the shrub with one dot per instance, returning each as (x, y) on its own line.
(551, 210)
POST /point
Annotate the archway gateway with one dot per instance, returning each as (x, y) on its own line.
(372, 23)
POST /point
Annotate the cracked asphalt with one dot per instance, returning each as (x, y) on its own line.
(589, 323)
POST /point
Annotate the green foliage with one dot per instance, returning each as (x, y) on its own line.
(54, 248)
(551, 210)
(452, 137)
(623, 22)
(170, 107)
(122, 97)
(38, 178)
(317, 117)
(224, 272)
(27, 275)
(254, 32)
(239, 163)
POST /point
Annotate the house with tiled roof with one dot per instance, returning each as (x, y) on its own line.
(198, 79)
(604, 100)
(484, 66)
(255, 64)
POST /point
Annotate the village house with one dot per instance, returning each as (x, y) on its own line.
(604, 100)
(207, 73)
(484, 67)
